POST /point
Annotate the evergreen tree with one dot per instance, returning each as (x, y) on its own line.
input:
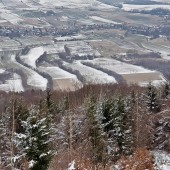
(35, 140)
(160, 137)
(10, 123)
(166, 90)
(107, 115)
(118, 124)
(120, 127)
(5, 139)
(47, 107)
(96, 131)
(109, 122)
(152, 99)
(112, 118)
(129, 123)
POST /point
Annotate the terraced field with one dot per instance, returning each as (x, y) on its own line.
(64, 65)
(132, 74)
(90, 75)
(68, 43)
(62, 80)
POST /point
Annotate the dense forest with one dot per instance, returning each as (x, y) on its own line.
(98, 127)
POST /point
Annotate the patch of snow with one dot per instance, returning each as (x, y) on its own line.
(32, 56)
(155, 83)
(130, 7)
(161, 160)
(37, 81)
(35, 40)
(118, 66)
(57, 73)
(31, 163)
(13, 84)
(3, 21)
(163, 50)
(166, 1)
(125, 69)
(165, 167)
(50, 49)
(71, 166)
(81, 48)
(59, 47)
(64, 18)
(33, 78)
(75, 4)
(96, 18)
(2, 71)
(11, 17)
(91, 75)
(68, 38)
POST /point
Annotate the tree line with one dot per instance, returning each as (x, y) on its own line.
(109, 123)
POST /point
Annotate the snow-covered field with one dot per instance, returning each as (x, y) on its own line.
(50, 49)
(2, 71)
(166, 1)
(14, 3)
(91, 75)
(9, 44)
(130, 7)
(62, 80)
(96, 18)
(37, 81)
(35, 40)
(86, 21)
(13, 84)
(163, 50)
(118, 66)
(10, 17)
(74, 3)
(81, 48)
(32, 56)
(58, 73)
(33, 79)
(68, 38)
(68, 3)
(131, 73)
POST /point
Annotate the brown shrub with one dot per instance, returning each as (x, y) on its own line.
(140, 160)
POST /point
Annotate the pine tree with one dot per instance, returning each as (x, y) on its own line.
(129, 124)
(108, 110)
(96, 131)
(5, 139)
(116, 122)
(166, 90)
(35, 140)
(10, 123)
(152, 99)
(160, 137)
(107, 116)
(120, 127)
